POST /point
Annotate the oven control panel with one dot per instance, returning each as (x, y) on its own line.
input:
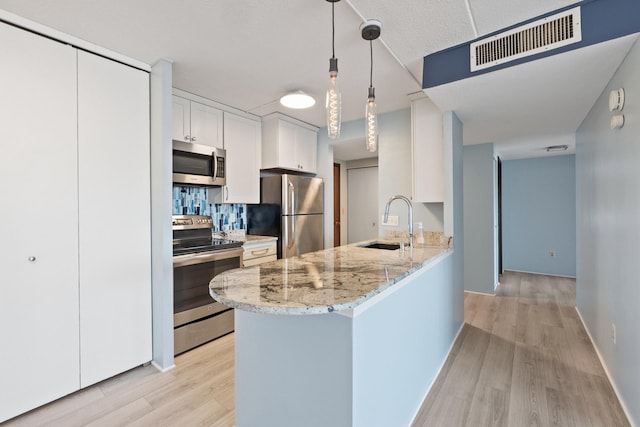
(186, 222)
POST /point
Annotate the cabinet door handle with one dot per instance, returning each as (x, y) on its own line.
(32, 259)
(187, 137)
(193, 138)
(226, 190)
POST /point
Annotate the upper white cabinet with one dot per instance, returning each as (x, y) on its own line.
(242, 140)
(240, 135)
(427, 143)
(196, 122)
(288, 144)
(75, 302)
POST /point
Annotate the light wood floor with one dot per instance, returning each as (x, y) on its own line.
(522, 359)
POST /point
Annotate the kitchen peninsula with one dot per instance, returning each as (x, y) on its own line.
(347, 336)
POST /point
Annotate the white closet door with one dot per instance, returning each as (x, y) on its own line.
(38, 221)
(114, 223)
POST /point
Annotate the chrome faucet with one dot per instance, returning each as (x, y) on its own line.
(386, 215)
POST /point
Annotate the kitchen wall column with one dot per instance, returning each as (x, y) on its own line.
(161, 197)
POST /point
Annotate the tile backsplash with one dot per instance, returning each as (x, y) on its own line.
(195, 201)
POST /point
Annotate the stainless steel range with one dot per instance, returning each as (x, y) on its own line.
(197, 258)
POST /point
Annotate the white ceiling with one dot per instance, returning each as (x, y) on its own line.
(248, 53)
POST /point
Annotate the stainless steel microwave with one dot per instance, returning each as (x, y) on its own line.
(197, 164)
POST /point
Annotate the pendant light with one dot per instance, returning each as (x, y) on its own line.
(371, 31)
(334, 97)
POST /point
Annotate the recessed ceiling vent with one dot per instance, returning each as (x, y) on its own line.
(542, 35)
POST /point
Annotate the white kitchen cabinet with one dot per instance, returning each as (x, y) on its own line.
(259, 251)
(39, 327)
(242, 141)
(74, 173)
(196, 122)
(427, 143)
(288, 144)
(114, 215)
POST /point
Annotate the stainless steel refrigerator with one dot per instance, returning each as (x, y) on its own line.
(291, 209)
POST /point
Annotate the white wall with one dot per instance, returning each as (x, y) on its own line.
(325, 171)
(539, 215)
(161, 232)
(395, 174)
(344, 208)
(395, 168)
(608, 232)
(454, 205)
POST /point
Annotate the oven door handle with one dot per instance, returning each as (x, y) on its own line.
(183, 260)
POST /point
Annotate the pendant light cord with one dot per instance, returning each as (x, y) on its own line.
(371, 72)
(333, 31)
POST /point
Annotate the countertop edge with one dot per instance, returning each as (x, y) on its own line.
(348, 309)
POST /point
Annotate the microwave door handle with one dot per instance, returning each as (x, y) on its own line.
(214, 167)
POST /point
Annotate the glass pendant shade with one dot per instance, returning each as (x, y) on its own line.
(334, 101)
(371, 117)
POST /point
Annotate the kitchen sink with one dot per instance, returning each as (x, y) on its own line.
(381, 245)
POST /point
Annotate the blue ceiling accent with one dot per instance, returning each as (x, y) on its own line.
(601, 20)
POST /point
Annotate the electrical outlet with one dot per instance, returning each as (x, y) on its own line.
(552, 254)
(392, 220)
(613, 333)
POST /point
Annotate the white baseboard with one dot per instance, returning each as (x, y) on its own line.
(480, 293)
(438, 373)
(540, 274)
(161, 369)
(606, 371)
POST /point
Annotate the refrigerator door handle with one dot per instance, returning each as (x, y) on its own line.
(292, 198)
(293, 232)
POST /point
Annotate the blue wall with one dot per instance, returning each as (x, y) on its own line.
(608, 206)
(539, 215)
(479, 185)
(602, 20)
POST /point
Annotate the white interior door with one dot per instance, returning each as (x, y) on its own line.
(39, 228)
(114, 221)
(362, 204)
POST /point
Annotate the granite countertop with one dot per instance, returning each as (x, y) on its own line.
(334, 279)
(251, 238)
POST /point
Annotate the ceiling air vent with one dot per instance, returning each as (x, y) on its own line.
(542, 35)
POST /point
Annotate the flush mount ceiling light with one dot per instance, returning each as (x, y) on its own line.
(553, 148)
(334, 97)
(370, 31)
(298, 100)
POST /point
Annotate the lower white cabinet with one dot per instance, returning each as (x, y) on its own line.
(75, 294)
(258, 252)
